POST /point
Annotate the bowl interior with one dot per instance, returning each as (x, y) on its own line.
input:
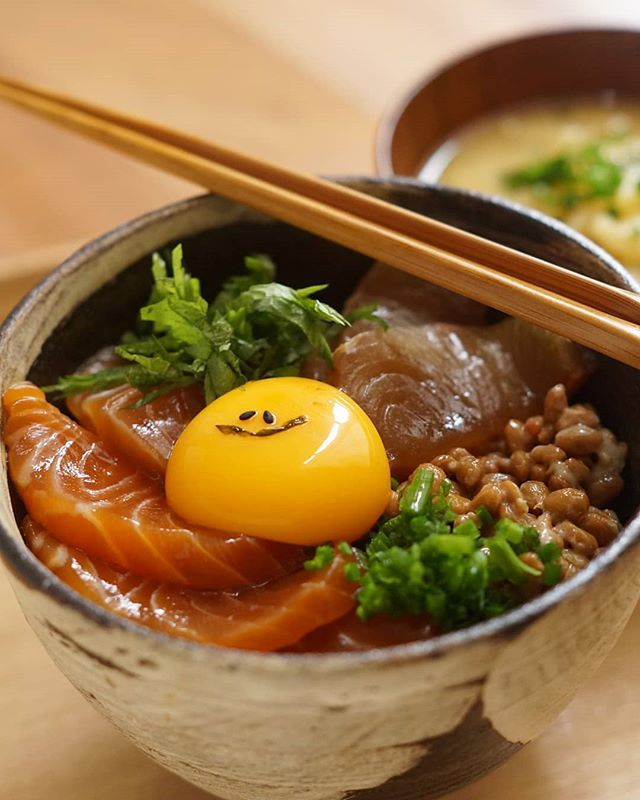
(304, 259)
(105, 285)
(554, 65)
(212, 256)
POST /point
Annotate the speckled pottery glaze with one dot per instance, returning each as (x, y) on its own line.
(407, 723)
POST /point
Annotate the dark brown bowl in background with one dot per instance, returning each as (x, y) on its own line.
(547, 66)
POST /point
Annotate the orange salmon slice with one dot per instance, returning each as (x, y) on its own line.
(145, 435)
(263, 618)
(89, 498)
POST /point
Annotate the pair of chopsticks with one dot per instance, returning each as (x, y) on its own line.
(589, 312)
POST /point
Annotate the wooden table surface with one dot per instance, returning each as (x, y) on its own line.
(303, 83)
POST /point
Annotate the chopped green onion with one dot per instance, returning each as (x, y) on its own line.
(351, 572)
(324, 555)
(485, 516)
(418, 493)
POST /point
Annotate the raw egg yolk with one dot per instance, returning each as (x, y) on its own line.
(288, 459)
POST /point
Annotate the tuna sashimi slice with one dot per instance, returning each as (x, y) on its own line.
(264, 618)
(429, 388)
(403, 299)
(351, 634)
(89, 498)
(145, 435)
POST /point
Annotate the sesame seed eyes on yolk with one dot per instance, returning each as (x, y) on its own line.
(267, 416)
(324, 480)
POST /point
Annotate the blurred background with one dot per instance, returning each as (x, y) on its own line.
(300, 82)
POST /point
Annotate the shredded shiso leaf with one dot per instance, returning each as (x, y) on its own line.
(254, 328)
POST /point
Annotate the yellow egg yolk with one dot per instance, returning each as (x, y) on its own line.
(288, 459)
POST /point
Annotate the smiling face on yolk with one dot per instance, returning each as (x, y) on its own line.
(288, 459)
(269, 418)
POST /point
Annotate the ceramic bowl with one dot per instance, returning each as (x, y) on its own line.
(407, 723)
(561, 64)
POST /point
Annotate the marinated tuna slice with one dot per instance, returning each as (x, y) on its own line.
(429, 388)
(264, 618)
(89, 498)
(145, 435)
(351, 634)
(403, 299)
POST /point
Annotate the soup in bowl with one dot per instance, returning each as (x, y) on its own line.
(549, 120)
(437, 696)
(577, 159)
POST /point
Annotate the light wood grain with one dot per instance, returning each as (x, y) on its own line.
(141, 56)
(296, 81)
(372, 51)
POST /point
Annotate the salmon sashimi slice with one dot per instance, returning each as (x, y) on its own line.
(89, 498)
(145, 435)
(429, 388)
(403, 299)
(263, 618)
(351, 634)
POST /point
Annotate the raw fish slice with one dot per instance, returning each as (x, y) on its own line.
(403, 300)
(351, 634)
(88, 498)
(145, 435)
(429, 388)
(262, 618)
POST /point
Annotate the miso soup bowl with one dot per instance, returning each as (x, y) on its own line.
(406, 723)
(554, 65)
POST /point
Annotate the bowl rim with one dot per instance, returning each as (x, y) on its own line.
(388, 122)
(27, 569)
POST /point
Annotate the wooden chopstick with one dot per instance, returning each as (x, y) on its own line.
(583, 289)
(587, 311)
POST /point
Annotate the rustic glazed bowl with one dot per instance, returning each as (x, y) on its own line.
(406, 723)
(558, 65)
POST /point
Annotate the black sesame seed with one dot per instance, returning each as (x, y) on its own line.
(268, 418)
(247, 415)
